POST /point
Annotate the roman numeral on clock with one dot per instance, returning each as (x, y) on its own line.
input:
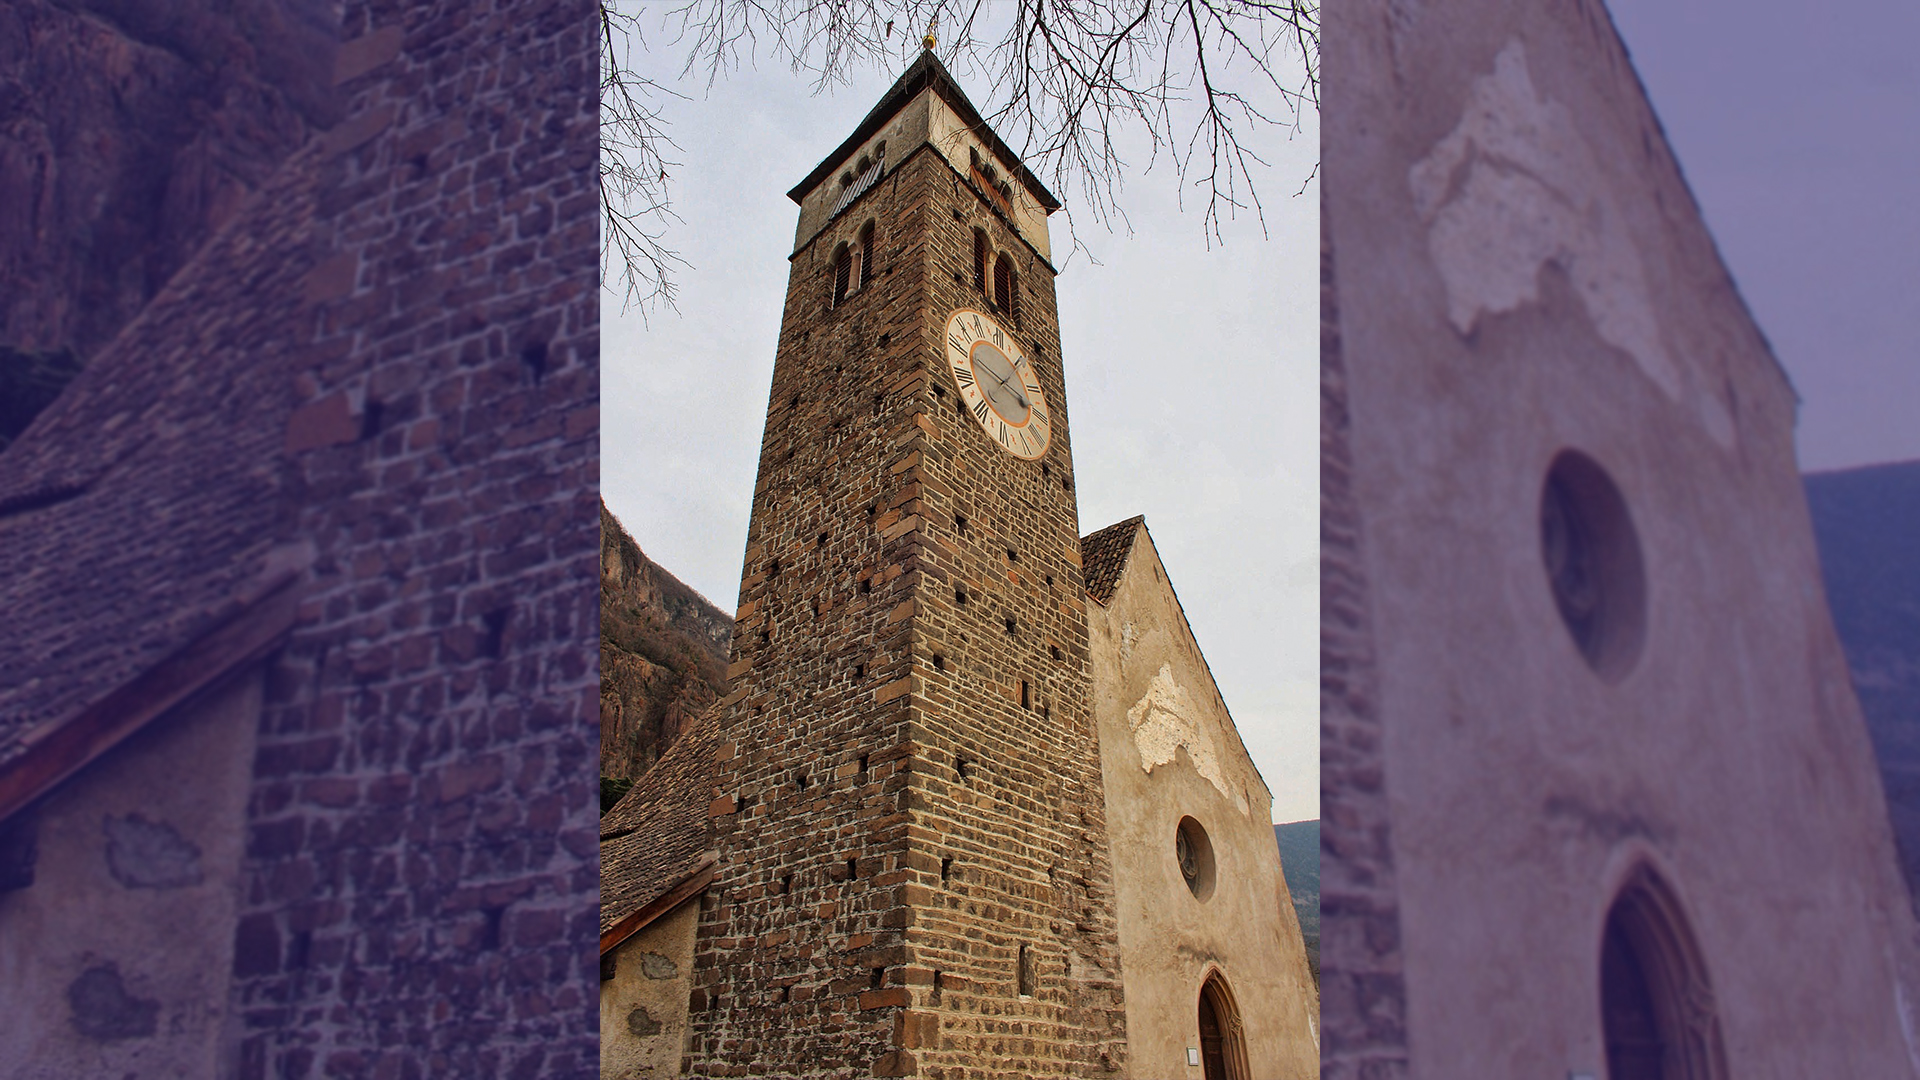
(963, 375)
(1004, 435)
(980, 410)
(958, 344)
(1040, 415)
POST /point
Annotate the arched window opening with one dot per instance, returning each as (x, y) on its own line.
(980, 259)
(866, 254)
(842, 273)
(1223, 1041)
(1656, 1002)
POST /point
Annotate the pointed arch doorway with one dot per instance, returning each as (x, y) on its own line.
(1656, 1001)
(1223, 1043)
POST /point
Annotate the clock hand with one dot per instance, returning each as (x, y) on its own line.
(1017, 390)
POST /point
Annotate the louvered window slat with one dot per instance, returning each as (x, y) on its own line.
(858, 188)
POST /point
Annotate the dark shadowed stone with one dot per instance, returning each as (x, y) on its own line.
(103, 1010)
(146, 854)
(657, 966)
(19, 850)
(640, 1023)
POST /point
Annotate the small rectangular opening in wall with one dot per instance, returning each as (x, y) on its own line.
(946, 869)
(1026, 696)
(863, 763)
(878, 977)
(1026, 971)
(939, 985)
(853, 869)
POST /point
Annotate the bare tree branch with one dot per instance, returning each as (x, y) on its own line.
(1203, 80)
(635, 207)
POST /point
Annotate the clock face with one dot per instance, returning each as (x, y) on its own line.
(997, 384)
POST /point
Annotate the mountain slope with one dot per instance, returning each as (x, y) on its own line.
(1300, 861)
(1867, 523)
(663, 655)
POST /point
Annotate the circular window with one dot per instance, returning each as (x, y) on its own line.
(1593, 565)
(1194, 854)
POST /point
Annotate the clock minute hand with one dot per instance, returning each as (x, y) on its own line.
(1016, 389)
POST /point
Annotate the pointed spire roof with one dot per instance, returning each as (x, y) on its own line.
(926, 71)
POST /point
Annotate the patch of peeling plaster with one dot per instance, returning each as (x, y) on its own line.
(1514, 187)
(1165, 720)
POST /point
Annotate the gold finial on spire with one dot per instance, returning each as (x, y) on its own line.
(929, 41)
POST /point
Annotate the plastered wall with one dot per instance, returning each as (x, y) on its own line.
(927, 120)
(115, 961)
(1169, 750)
(643, 1008)
(1521, 271)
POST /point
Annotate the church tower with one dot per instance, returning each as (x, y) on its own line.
(914, 876)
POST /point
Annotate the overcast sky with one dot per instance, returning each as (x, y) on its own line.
(1192, 377)
(1193, 374)
(1798, 127)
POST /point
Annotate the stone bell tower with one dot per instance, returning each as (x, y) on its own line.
(914, 875)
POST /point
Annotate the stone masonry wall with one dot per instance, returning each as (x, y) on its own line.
(871, 905)
(1363, 993)
(419, 892)
(811, 809)
(1026, 829)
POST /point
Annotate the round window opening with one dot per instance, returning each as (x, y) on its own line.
(1593, 564)
(1194, 852)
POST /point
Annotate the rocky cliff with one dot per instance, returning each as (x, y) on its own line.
(129, 133)
(663, 654)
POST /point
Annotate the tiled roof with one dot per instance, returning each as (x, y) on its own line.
(140, 507)
(659, 833)
(1103, 555)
